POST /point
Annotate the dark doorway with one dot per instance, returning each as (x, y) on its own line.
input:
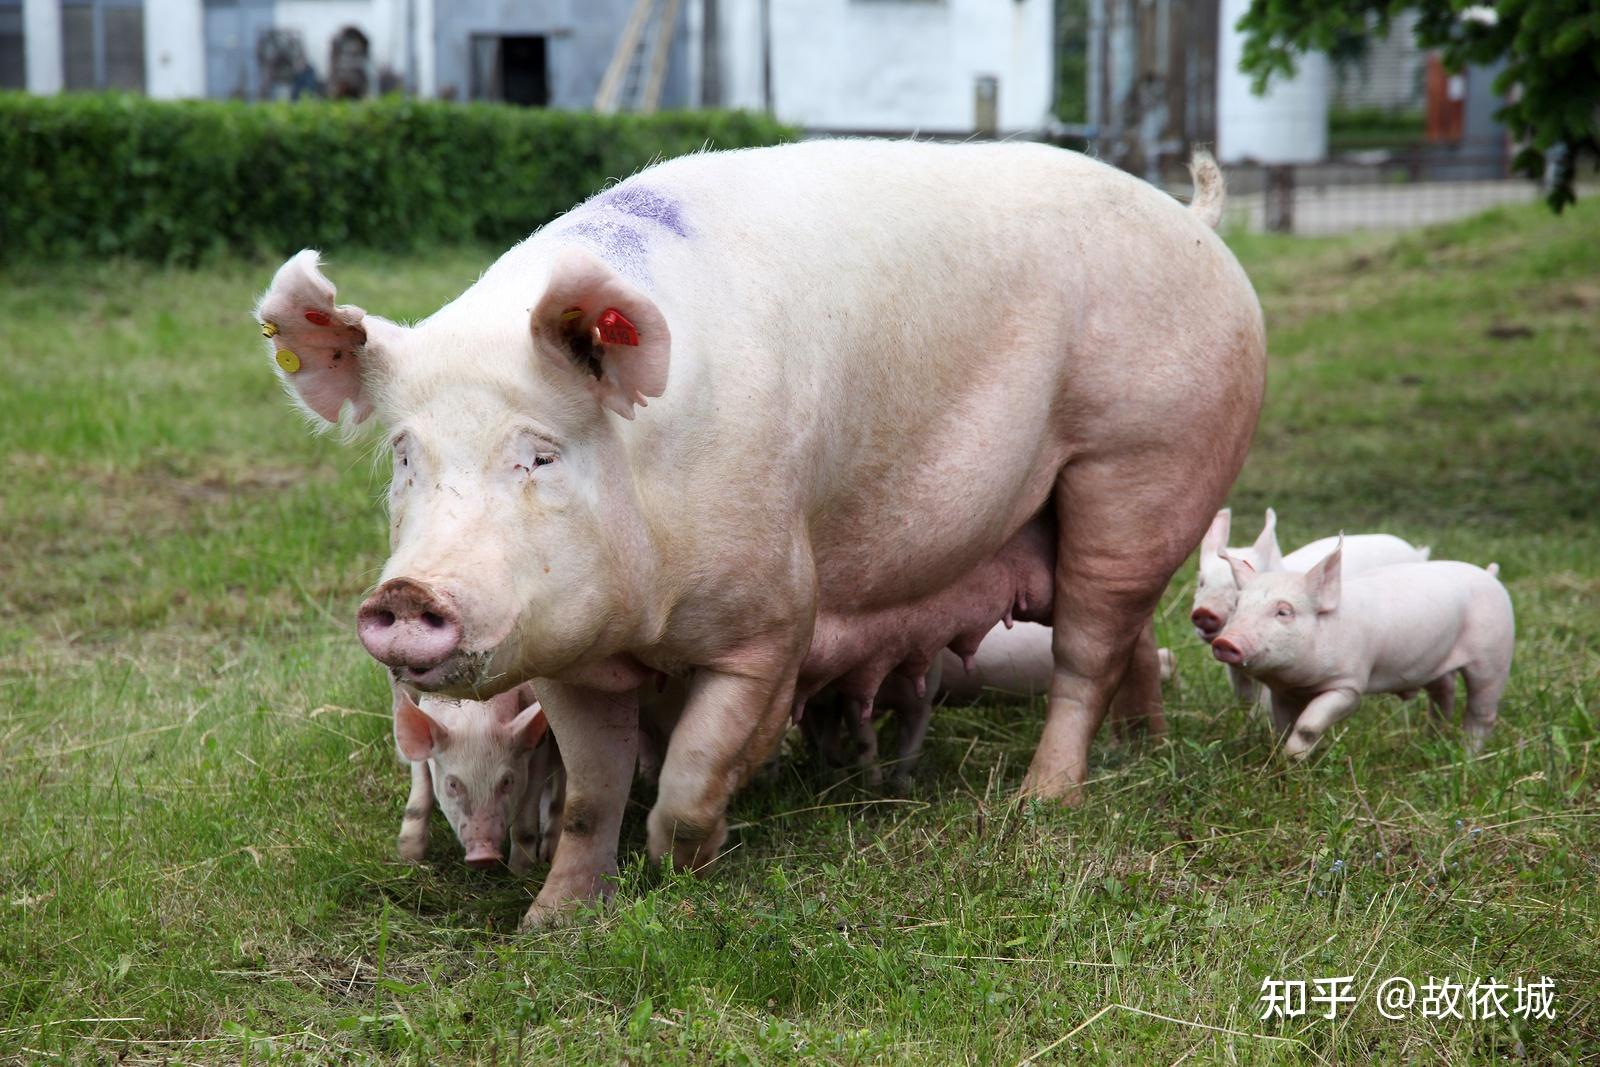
(512, 70)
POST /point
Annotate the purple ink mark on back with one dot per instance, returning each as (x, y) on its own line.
(642, 202)
(617, 241)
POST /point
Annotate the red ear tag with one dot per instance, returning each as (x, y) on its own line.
(614, 329)
(318, 318)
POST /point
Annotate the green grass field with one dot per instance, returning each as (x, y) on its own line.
(200, 794)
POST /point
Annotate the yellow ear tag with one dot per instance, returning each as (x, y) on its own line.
(288, 360)
(269, 329)
(571, 314)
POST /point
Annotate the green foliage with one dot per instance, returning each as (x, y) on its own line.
(1369, 127)
(123, 175)
(1551, 50)
(1072, 60)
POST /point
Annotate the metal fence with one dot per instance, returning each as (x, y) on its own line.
(1390, 189)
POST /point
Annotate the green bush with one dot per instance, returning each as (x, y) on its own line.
(175, 180)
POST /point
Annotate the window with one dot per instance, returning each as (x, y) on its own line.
(510, 69)
(102, 43)
(13, 57)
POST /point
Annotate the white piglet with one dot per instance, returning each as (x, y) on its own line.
(1319, 641)
(1216, 592)
(487, 763)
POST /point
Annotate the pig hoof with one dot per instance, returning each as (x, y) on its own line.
(547, 916)
(1057, 787)
(1300, 744)
(411, 850)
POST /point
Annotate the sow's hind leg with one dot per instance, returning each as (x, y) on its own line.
(1125, 523)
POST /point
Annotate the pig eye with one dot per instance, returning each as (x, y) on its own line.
(505, 782)
(543, 459)
(1285, 610)
(452, 785)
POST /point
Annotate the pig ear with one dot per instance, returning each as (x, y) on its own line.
(416, 733)
(1216, 538)
(1323, 581)
(1268, 554)
(529, 727)
(1243, 573)
(613, 335)
(316, 344)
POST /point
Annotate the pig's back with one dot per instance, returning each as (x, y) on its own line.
(1362, 552)
(1421, 621)
(901, 331)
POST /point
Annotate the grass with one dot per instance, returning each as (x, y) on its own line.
(201, 796)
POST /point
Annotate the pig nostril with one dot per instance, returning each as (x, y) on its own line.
(433, 620)
(384, 618)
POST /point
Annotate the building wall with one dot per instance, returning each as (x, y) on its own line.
(581, 37)
(1389, 76)
(174, 49)
(895, 65)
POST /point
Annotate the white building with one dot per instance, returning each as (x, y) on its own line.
(936, 66)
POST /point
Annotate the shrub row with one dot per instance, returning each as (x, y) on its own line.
(175, 180)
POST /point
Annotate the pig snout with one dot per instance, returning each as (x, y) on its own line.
(406, 625)
(1228, 651)
(1208, 622)
(483, 855)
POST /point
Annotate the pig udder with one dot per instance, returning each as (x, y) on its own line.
(854, 653)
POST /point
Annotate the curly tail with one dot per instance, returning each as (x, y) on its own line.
(1210, 191)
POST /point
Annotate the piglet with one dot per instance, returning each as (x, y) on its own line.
(1216, 592)
(490, 766)
(1319, 641)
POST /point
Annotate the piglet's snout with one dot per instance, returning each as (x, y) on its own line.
(482, 856)
(1208, 622)
(1227, 650)
(407, 624)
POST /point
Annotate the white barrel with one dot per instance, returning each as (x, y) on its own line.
(1287, 125)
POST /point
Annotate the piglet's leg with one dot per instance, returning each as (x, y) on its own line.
(413, 842)
(1324, 711)
(1244, 686)
(1285, 710)
(525, 821)
(1484, 686)
(1442, 700)
(730, 725)
(599, 738)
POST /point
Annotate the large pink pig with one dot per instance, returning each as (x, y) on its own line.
(895, 391)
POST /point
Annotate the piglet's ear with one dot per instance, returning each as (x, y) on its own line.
(1323, 582)
(612, 335)
(529, 727)
(1268, 554)
(1216, 538)
(316, 344)
(416, 733)
(1243, 573)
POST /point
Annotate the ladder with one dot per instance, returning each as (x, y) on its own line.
(633, 79)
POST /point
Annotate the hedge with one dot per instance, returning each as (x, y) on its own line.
(113, 174)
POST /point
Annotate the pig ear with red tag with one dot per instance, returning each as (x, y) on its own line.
(417, 734)
(593, 320)
(318, 346)
(1324, 581)
(529, 727)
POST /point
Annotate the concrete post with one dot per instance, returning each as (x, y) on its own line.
(41, 44)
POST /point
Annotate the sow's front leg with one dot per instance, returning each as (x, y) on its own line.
(731, 724)
(599, 738)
